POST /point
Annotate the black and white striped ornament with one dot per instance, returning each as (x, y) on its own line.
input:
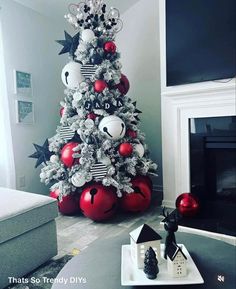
(66, 133)
(88, 70)
(98, 171)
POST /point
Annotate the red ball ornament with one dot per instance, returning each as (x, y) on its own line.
(187, 204)
(131, 133)
(68, 205)
(109, 47)
(92, 116)
(139, 200)
(124, 85)
(100, 85)
(98, 203)
(125, 149)
(67, 154)
(62, 111)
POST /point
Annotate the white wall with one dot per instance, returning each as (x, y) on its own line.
(138, 43)
(28, 43)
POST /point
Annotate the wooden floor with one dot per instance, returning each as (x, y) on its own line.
(77, 232)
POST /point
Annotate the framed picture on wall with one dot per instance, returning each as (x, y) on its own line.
(24, 112)
(23, 83)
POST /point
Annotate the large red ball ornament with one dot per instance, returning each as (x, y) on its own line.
(131, 133)
(187, 204)
(109, 47)
(67, 154)
(139, 200)
(100, 85)
(125, 149)
(68, 205)
(124, 85)
(98, 203)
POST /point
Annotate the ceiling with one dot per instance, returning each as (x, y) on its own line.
(56, 9)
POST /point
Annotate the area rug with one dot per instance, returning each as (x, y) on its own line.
(43, 276)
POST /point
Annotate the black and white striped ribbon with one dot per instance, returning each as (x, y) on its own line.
(98, 171)
(88, 70)
(66, 133)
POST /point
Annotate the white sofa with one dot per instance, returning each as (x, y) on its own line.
(27, 232)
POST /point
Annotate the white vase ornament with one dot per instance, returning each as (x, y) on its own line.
(71, 75)
(139, 149)
(112, 127)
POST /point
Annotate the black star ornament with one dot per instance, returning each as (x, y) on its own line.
(42, 153)
(70, 44)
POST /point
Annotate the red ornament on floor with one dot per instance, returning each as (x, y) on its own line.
(98, 202)
(55, 194)
(68, 205)
(125, 149)
(109, 47)
(140, 199)
(124, 85)
(67, 154)
(187, 204)
(100, 85)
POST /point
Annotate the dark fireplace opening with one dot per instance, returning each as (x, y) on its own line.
(213, 173)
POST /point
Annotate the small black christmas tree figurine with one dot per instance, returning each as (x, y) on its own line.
(150, 264)
(171, 226)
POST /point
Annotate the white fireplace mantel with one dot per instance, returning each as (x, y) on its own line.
(179, 104)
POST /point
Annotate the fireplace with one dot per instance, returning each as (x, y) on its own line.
(213, 173)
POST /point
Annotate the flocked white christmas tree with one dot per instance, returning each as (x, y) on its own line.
(98, 154)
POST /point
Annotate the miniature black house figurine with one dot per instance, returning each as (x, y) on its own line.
(176, 261)
(141, 239)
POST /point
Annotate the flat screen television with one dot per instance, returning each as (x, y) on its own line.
(200, 40)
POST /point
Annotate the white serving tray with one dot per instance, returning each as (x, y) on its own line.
(132, 276)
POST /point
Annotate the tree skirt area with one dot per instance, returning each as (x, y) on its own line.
(43, 276)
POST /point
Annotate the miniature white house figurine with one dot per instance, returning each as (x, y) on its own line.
(140, 240)
(176, 261)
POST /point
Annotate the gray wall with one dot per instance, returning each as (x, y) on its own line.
(138, 43)
(29, 46)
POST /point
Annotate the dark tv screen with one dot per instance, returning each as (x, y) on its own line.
(200, 40)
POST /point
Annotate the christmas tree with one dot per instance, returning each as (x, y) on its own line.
(98, 154)
(150, 264)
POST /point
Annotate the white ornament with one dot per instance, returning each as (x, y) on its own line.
(54, 159)
(87, 35)
(71, 75)
(113, 127)
(77, 96)
(78, 180)
(89, 123)
(106, 161)
(139, 149)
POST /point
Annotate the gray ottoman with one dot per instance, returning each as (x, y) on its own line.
(27, 232)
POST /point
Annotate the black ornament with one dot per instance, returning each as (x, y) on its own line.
(88, 105)
(171, 226)
(97, 104)
(69, 44)
(96, 59)
(119, 102)
(42, 153)
(108, 106)
(150, 264)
